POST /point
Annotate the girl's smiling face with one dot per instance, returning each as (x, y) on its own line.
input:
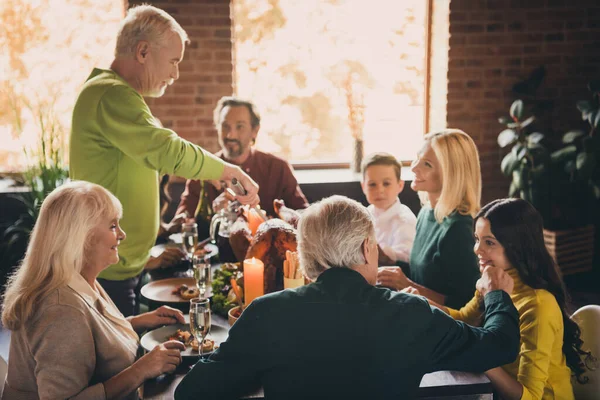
(488, 249)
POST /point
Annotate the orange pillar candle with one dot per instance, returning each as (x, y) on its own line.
(254, 279)
(254, 220)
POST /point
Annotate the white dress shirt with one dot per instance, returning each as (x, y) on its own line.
(395, 230)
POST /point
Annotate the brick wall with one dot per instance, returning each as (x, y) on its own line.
(496, 43)
(206, 73)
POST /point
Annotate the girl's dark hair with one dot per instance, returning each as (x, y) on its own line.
(518, 226)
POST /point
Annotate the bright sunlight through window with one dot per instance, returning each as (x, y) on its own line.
(311, 64)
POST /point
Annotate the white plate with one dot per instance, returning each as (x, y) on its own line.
(153, 338)
(162, 290)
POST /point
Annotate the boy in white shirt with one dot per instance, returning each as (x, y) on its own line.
(395, 223)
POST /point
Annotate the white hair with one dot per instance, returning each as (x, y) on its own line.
(331, 233)
(60, 241)
(146, 22)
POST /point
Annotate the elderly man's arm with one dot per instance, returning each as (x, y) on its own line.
(465, 348)
(462, 347)
(126, 121)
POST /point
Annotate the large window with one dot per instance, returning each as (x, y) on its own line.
(316, 68)
(47, 50)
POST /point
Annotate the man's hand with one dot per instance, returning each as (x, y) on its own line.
(392, 277)
(251, 197)
(493, 278)
(168, 258)
(175, 224)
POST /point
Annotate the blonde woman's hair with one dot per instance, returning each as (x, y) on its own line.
(331, 233)
(146, 22)
(59, 242)
(461, 173)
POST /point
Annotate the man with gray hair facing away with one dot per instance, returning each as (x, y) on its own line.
(341, 337)
(117, 143)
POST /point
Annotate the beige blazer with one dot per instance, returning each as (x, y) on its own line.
(75, 341)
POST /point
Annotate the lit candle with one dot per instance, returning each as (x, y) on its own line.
(254, 278)
(254, 220)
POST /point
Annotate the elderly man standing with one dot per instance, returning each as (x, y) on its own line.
(238, 122)
(341, 337)
(116, 141)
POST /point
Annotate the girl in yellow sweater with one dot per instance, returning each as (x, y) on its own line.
(509, 235)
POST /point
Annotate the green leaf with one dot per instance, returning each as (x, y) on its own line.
(513, 190)
(519, 151)
(527, 122)
(508, 164)
(564, 154)
(591, 117)
(596, 190)
(584, 106)
(586, 162)
(571, 136)
(516, 110)
(535, 138)
(524, 177)
(596, 119)
(516, 179)
(507, 137)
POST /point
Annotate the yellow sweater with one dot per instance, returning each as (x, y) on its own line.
(541, 365)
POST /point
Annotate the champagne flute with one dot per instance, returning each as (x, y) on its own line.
(190, 238)
(201, 267)
(200, 320)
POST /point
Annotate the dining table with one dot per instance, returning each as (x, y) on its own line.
(436, 385)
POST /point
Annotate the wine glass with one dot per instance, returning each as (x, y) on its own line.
(200, 320)
(190, 238)
(201, 267)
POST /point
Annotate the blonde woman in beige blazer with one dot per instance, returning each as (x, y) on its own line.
(68, 339)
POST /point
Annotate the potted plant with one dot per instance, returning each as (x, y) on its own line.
(563, 185)
(42, 177)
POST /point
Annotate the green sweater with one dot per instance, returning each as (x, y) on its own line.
(117, 143)
(442, 257)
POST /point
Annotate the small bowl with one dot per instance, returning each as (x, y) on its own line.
(233, 315)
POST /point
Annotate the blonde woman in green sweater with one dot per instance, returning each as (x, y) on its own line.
(448, 179)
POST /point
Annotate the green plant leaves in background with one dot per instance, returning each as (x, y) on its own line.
(516, 110)
(534, 138)
(507, 137)
(509, 164)
(571, 136)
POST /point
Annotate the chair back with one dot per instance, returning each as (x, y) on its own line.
(588, 319)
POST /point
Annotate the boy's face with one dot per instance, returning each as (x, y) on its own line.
(381, 186)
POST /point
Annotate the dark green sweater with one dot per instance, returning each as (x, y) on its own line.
(442, 257)
(342, 338)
